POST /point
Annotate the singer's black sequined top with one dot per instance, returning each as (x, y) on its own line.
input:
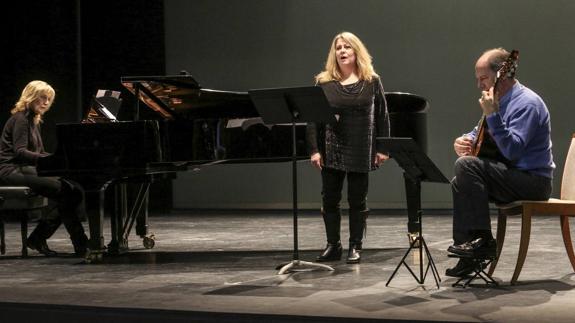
(349, 144)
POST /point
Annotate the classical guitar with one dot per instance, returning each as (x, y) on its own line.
(507, 70)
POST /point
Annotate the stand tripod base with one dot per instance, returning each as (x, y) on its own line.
(295, 265)
(418, 243)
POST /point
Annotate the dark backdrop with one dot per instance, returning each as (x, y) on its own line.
(424, 47)
(79, 47)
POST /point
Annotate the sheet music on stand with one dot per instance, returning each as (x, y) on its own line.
(412, 159)
(104, 107)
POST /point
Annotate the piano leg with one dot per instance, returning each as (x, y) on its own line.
(95, 209)
(124, 214)
(119, 244)
(131, 205)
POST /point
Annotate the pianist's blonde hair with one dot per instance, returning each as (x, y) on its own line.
(31, 92)
(363, 61)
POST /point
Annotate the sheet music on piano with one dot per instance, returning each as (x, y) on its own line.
(104, 107)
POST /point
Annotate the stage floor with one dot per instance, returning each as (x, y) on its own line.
(221, 266)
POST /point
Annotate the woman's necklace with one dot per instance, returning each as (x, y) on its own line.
(353, 88)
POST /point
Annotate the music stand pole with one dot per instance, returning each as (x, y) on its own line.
(292, 105)
(296, 262)
(294, 192)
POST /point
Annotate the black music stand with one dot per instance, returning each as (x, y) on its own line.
(417, 168)
(290, 106)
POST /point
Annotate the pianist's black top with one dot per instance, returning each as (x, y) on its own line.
(21, 143)
(350, 143)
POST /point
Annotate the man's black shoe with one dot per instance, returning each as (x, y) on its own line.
(464, 267)
(478, 248)
(41, 246)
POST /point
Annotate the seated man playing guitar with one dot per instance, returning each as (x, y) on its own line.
(506, 157)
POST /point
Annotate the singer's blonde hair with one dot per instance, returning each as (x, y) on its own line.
(363, 61)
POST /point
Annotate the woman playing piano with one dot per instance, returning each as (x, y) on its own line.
(20, 147)
(348, 147)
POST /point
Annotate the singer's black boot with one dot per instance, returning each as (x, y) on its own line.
(333, 250)
(357, 225)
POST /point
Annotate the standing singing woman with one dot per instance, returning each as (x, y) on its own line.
(348, 148)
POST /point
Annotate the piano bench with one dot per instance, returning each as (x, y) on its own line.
(19, 202)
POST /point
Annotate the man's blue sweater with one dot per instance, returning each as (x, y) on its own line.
(522, 131)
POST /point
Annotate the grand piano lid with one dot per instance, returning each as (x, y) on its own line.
(174, 96)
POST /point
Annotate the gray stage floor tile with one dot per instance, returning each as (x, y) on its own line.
(227, 262)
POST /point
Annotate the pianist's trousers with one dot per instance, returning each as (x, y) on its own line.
(479, 181)
(67, 196)
(357, 187)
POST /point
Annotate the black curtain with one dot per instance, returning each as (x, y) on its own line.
(79, 47)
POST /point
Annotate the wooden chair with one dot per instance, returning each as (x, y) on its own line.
(564, 208)
(18, 201)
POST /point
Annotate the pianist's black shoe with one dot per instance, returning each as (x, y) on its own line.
(331, 252)
(479, 248)
(41, 246)
(81, 246)
(464, 267)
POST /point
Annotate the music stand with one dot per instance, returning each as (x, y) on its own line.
(417, 168)
(290, 106)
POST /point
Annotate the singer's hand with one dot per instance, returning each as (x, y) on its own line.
(380, 159)
(316, 161)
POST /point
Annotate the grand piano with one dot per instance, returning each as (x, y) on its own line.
(193, 128)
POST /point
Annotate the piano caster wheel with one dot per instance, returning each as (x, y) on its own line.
(149, 241)
(93, 258)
